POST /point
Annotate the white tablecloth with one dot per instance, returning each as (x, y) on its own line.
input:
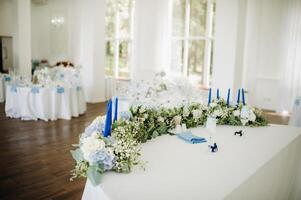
(295, 119)
(263, 164)
(47, 104)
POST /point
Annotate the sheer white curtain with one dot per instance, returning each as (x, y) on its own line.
(291, 83)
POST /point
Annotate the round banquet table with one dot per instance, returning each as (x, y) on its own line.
(295, 119)
(262, 164)
(44, 103)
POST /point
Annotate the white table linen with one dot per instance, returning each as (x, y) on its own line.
(263, 164)
(295, 119)
(46, 104)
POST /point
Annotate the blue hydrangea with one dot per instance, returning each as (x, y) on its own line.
(104, 158)
(126, 115)
(96, 125)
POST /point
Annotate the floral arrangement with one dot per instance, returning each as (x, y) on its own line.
(96, 154)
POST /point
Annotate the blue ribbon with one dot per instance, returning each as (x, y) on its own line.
(7, 78)
(35, 90)
(13, 88)
(60, 90)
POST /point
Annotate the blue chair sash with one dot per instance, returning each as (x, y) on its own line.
(60, 90)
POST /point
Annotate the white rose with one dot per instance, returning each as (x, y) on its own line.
(236, 113)
(90, 145)
(177, 119)
(252, 117)
(213, 104)
(245, 112)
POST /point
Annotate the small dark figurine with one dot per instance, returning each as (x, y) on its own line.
(238, 133)
(213, 148)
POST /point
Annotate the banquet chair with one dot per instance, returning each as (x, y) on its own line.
(40, 103)
(61, 103)
(12, 103)
(26, 112)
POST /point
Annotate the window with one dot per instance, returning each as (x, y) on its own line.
(192, 39)
(119, 36)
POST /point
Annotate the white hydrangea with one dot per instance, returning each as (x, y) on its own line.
(142, 109)
(218, 113)
(91, 144)
(160, 119)
(196, 114)
(185, 111)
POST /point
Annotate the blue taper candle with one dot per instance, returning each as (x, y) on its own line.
(238, 96)
(217, 93)
(108, 123)
(228, 97)
(243, 96)
(209, 97)
(116, 109)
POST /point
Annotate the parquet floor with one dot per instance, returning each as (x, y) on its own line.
(34, 155)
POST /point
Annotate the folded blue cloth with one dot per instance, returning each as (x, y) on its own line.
(60, 90)
(189, 137)
(35, 90)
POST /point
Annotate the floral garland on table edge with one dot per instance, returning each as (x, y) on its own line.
(96, 154)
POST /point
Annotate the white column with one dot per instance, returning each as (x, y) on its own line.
(92, 55)
(22, 36)
(151, 43)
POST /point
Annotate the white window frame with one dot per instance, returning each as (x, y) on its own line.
(208, 38)
(117, 39)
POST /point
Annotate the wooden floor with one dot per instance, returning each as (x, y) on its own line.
(34, 155)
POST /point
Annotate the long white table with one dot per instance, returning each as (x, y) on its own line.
(263, 164)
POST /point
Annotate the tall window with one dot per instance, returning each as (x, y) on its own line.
(192, 39)
(119, 36)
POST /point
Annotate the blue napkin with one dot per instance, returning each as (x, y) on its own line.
(60, 90)
(35, 90)
(189, 137)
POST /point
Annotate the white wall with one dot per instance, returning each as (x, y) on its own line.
(264, 52)
(50, 42)
(249, 49)
(6, 18)
(224, 58)
(151, 46)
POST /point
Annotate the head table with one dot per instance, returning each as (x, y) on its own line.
(46, 103)
(262, 164)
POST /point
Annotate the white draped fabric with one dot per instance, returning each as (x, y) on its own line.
(295, 119)
(291, 83)
(263, 164)
(46, 104)
(110, 83)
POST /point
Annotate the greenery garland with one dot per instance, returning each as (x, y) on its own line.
(96, 154)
